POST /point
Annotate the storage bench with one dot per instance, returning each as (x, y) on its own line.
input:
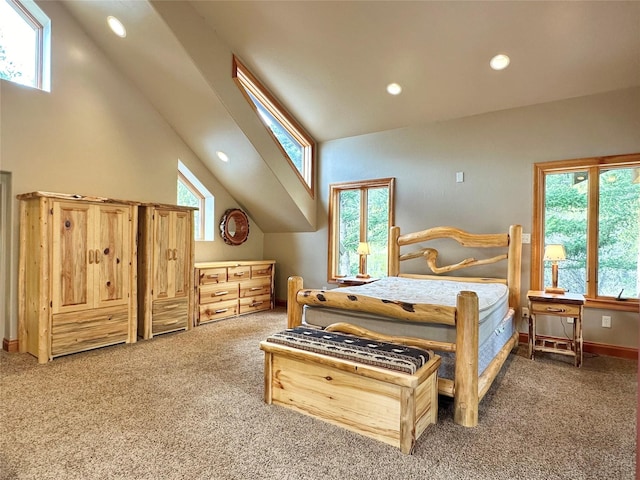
(385, 391)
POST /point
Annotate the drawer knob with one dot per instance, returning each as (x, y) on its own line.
(217, 294)
(556, 310)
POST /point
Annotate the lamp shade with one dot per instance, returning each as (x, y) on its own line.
(554, 252)
(363, 248)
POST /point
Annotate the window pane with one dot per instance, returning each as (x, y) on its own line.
(618, 228)
(378, 231)
(565, 222)
(294, 149)
(189, 199)
(18, 47)
(349, 232)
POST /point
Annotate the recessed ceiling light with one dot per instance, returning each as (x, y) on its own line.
(500, 62)
(222, 156)
(394, 89)
(116, 26)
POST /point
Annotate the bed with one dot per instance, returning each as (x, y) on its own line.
(469, 321)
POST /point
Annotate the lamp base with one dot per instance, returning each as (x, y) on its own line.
(557, 290)
(363, 275)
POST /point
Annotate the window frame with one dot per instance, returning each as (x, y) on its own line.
(185, 181)
(206, 227)
(33, 16)
(593, 166)
(335, 189)
(245, 80)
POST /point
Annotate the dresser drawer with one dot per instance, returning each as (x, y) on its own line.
(218, 293)
(254, 304)
(170, 315)
(239, 273)
(77, 331)
(212, 275)
(251, 288)
(217, 311)
(558, 309)
(259, 271)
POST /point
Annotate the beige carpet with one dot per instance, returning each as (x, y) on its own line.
(189, 406)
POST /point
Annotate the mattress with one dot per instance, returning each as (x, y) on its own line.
(493, 303)
(495, 318)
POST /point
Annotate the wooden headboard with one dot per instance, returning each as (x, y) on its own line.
(510, 241)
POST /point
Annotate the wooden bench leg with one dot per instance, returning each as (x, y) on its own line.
(407, 420)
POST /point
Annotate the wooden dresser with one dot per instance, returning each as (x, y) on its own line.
(228, 289)
(77, 287)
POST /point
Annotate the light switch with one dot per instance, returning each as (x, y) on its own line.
(459, 177)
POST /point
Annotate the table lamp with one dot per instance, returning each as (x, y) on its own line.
(554, 253)
(363, 251)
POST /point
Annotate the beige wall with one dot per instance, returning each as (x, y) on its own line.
(496, 152)
(95, 134)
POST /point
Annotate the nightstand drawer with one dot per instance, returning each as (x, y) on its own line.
(558, 309)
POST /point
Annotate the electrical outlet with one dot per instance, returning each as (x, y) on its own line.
(526, 238)
(525, 312)
(606, 321)
(569, 319)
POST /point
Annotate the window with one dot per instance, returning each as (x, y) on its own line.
(592, 207)
(24, 43)
(192, 193)
(360, 212)
(297, 146)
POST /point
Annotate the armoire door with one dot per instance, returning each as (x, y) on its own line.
(91, 253)
(172, 246)
(182, 270)
(162, 255)
(111, 255)
(72, 272)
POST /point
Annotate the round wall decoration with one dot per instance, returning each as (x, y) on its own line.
(234, 227)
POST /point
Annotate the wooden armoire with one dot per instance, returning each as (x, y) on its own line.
(165, 269)
(77, 273)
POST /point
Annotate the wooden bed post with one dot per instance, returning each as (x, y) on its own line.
(466, 398)
(514, 267)
(394, 252)
(294, 309)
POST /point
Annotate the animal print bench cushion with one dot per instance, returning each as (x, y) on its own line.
(362, 350)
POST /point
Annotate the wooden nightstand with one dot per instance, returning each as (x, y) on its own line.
(353, 281)
(567, 305)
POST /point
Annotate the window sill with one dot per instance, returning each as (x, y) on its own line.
(630, 305)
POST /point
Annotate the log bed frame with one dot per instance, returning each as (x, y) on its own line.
(467, 388)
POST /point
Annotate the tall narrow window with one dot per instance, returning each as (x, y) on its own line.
(592, 207)
(297, 145)
(360, 212)
(192, 193)
(24, 43)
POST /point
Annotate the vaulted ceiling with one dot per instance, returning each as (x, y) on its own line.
(329, 63)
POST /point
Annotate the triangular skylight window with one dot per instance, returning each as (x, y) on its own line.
(297, 146)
